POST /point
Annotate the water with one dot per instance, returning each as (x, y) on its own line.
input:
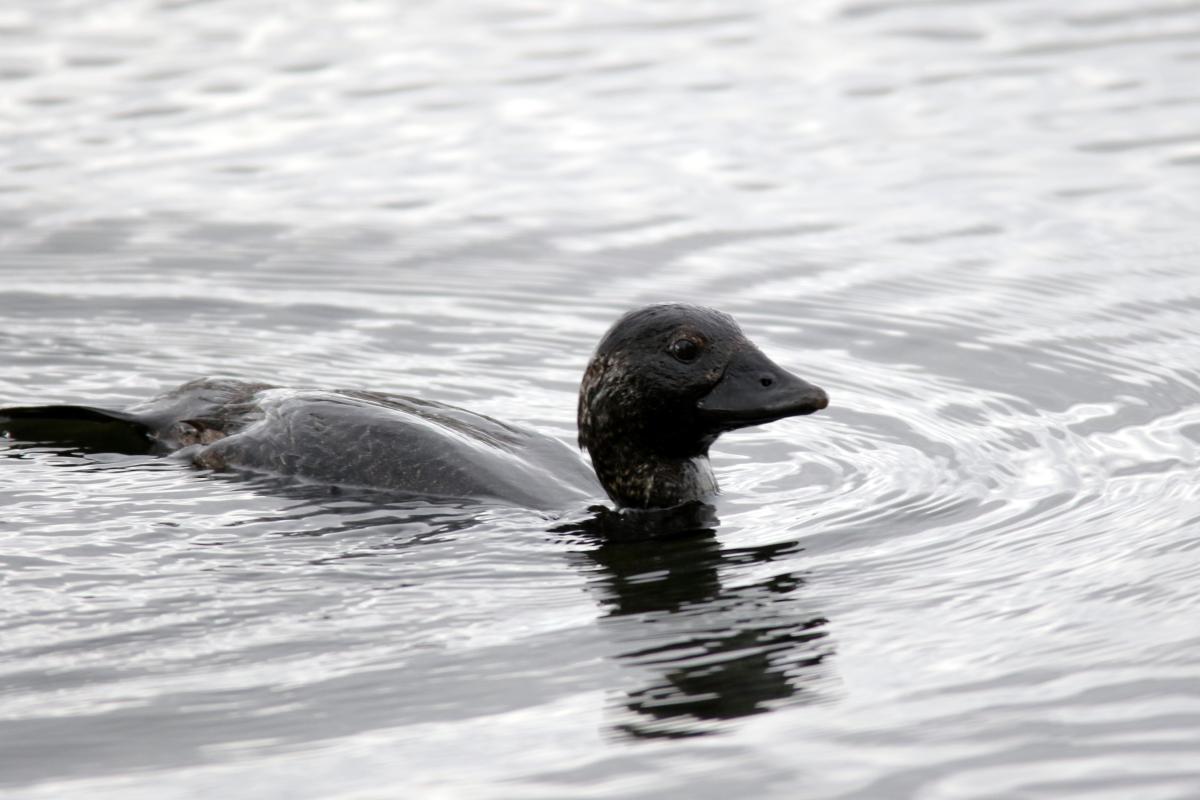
(974, 576)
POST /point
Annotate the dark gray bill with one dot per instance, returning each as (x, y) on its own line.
(755, 390)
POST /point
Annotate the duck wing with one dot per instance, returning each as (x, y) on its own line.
(401, 444)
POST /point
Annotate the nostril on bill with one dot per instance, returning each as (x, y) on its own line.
(766, 381)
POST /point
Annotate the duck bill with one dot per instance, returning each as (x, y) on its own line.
(755, 390)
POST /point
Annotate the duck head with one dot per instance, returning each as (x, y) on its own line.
(664, 383)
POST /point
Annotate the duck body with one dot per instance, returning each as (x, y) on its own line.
(664, 383)
(340, 438)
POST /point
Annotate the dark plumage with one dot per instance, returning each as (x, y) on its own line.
(664, 383)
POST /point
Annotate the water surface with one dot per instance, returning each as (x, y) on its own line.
(974, 576)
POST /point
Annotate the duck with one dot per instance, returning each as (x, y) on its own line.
(664, 383)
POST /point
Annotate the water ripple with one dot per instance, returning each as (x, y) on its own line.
(972, 222)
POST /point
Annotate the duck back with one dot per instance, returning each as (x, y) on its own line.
(346, 438)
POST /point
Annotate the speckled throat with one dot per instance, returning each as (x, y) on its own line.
(632, 469)
(639, 480)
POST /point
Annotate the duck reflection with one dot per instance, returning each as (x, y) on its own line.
(714, 650)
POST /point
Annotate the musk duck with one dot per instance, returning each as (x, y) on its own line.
(664, 383)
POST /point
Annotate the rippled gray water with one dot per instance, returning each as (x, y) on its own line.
(977, 224)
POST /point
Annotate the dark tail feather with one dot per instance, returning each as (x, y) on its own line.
(90, 430)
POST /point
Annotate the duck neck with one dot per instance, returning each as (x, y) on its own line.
(635, 477)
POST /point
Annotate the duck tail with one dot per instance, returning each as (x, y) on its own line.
(88, 429)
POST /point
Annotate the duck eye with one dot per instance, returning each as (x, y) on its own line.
(685, 350)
